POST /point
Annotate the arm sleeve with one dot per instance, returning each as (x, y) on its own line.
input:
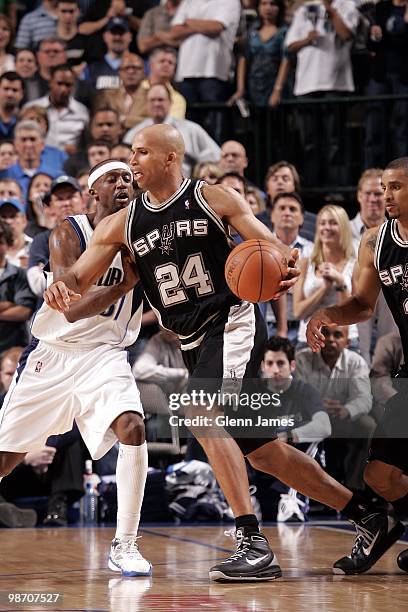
(147, 25)
(316, 430)
(182, 14)
(36, 280)
(24, 38)
(359, 399)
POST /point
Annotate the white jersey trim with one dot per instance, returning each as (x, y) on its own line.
(169, 201)
(378, 245)
(395, 235)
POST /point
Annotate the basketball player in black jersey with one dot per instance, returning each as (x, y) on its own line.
(177, 233)
(383, 265)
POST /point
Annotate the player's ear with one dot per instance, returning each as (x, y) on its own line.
(171, 158)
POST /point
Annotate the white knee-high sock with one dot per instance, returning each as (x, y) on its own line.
(131, 472)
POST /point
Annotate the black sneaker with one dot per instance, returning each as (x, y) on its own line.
(57, 511)
(376, 533)
(253, 560)
(402, 560)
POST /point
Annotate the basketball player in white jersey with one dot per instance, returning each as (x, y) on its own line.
(76, 368)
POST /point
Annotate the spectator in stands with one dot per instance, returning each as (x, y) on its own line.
(64, 199)
(326, 277)
(17, 302)
(161, 363)
(259, 65)
(38, 216)
(8, 154)
(287, 218)
(67, 117)
(155, 26)
(37, 25)
(50, 53)
(283, 177)
(10, 188)
(300, 401)
(29, 140)
(162, 69)
(389, 75)
(100, 12)
(122, 152)
(387, 360)
(104, 73)
(104, 125)
(199, 145)
(255, 200)
(370, 197)
(342, 378)
(205, 30)
(82, 178)
(233, 157)
(8, 364)
(130, 99)
(321, 37)
(13, 213)
(76, 44)
(98, 150)
(26, 64)
(49, 155)
(7, 63)
(208, 172)
(11, 96)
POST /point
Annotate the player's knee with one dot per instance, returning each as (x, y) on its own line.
(130, 429)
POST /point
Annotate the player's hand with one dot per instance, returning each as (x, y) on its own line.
(130, 271)
(336, 409)
(314, 336)
(291, 276)
(41, 458)
(59, 297)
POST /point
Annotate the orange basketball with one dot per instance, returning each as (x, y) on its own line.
(254, 270)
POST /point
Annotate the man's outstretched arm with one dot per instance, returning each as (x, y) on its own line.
(360, 306)
(107, 240)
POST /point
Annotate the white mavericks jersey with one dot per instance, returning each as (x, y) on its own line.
(118, 326)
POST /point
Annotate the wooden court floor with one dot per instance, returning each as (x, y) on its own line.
(72, 562)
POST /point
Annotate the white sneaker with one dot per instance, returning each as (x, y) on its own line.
(289, 508)
(125, 557)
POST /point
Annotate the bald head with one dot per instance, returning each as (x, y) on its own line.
(165, 138)
(233, 157)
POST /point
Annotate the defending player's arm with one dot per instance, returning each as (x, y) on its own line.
(235, 210)
(64, 252)
(360, 306)
(107, 240)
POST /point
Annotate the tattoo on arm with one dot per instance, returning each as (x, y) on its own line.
(371, 242)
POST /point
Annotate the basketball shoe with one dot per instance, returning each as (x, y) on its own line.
(253, 560)
(376, 533)
(402, 560)
(125, 557)
(291, 508)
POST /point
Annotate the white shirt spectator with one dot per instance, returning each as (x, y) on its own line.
(199, 145)
(325, 65)
(201, 56)
(348, 382)
(66, 124)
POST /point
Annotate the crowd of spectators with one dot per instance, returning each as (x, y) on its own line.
(79, 78)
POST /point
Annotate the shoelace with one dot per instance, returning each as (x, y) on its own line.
(130, 545)
(242, 543)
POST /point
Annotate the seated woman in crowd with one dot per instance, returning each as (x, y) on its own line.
(326, 277)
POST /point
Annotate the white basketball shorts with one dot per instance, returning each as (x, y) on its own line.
(53, 386)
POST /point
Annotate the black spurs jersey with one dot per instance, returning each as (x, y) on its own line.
(181, 247)
(391, 261)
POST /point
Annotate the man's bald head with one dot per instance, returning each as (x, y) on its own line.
(166, 138)
(233, 157)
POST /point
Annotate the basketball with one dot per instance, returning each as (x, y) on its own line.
(254, 270)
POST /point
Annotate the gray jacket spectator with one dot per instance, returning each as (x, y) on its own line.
(199, 145)
(37, 25)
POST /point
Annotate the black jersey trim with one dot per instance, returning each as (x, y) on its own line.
(169, 201)
(378, 245)
(396, 237)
